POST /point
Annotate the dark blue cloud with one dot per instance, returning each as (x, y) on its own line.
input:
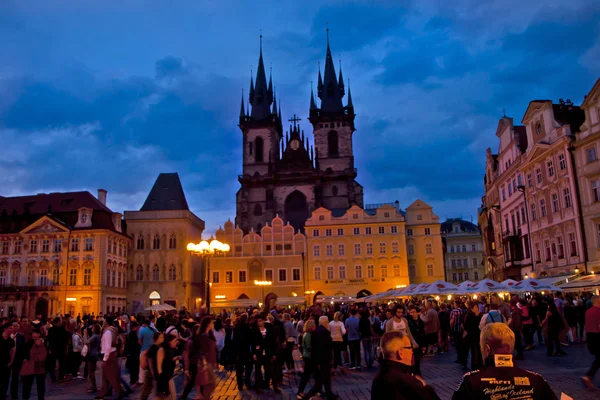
(111, 108)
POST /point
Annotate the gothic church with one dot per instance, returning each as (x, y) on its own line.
(284, 175)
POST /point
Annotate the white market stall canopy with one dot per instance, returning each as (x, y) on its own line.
(437, 288)
(388, 295)
(509, 283)
(483, 286)
(463, 286)
(589, 283)
(556, 280)
(336, 299)
(534, 285)
(235, 303)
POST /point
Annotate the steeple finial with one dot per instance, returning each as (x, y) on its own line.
(330, 93)
(263, 93)
(327, 33)
(341, 80)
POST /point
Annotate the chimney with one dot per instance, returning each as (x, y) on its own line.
(102, 196)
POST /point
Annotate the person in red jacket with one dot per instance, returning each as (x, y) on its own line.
(592, 330)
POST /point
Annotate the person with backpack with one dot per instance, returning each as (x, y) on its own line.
(492, 316)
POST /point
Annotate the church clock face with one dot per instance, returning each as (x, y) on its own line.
(294, 144)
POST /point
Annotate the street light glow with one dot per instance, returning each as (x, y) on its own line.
(263, 283)
(205, 247)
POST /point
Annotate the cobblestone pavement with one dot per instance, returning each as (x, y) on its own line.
(563, 374)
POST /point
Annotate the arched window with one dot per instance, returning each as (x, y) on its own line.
(139, 273)
(140, 242)
(172, 273)
(155, 274)
(258, 143)
(156, 242)
(332, 143)
(172, 242)
(258, 210)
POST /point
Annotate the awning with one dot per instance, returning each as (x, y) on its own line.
(335, 299)
(236, 303)
(587, 283)
(290, 301)
(556, 280)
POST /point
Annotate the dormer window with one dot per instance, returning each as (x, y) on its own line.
(84, 218)
(538, 128)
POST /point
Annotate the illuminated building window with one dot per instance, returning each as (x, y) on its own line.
(73, 277)
(342, 271)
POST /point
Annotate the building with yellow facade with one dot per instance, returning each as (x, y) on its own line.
(61, 253)
(424, 244)
(356, 253)
(277, 255)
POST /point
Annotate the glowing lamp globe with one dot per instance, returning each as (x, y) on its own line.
(215, 245)
(202, 246)
(191, 247)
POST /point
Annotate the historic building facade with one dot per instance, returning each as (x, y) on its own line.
(511, 195)
(489, 219)
(276, 254)
(286, 176)
(586, 150)
(423, 243)
(550, 184)
(356, 253)
(161, 270)
(464, 257)
(61, 253)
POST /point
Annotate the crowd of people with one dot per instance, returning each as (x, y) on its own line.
(260, 345)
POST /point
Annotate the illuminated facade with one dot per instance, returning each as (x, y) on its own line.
(161, 270)
(587, 148)
(276, 255)
(61, 253)
(463, 247)
(357, 252)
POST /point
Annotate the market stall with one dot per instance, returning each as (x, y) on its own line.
(589, 283)
(534, 285)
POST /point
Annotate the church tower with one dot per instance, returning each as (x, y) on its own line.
(333, 127)
(262, 132)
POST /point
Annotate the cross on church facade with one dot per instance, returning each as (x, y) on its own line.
(294, 119)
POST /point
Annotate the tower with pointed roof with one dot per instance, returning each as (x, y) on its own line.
(286, 176)
(333, 127)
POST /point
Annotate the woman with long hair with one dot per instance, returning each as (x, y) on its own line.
(338, 330)
(554, 324)
(206, 380)
(93, 344)
(309, 328)
(165, 367)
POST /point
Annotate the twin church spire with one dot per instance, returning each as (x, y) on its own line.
(263, 101)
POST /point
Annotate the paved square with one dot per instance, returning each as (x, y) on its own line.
(563, 374)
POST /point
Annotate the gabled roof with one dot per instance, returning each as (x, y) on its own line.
(465, 226)
(590, 95)
(419, 204)
(166, 194)
(17, 213)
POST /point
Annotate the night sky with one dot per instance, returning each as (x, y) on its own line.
(111, 93)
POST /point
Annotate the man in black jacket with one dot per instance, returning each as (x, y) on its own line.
(322, 348)
(263, 353)
(242, 351)
(394, 381)
(499, 377)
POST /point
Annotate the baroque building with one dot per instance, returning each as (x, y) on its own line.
(489, 219)
(357, 252)
(285, 175)
(550, 187)
(463, 257)
(277, 254)
(161, 270)
(61, 253)
(585, 153)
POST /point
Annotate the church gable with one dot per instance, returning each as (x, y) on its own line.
(44, 225)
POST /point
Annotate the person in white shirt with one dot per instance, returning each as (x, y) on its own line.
(111, 374)
(338, 330)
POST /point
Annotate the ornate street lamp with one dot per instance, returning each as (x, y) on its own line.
(207, 250)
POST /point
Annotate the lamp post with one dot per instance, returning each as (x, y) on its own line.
(262, 285)
(207, 250)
